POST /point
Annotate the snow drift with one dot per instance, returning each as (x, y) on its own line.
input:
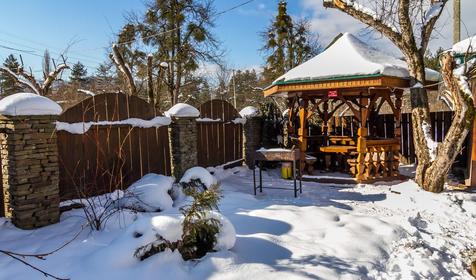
(21, 104)
(149, 194)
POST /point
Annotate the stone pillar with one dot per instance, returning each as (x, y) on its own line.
(30, 173)
(251, 139)
(183, 144)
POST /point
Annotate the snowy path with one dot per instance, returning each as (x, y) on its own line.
(329, 232)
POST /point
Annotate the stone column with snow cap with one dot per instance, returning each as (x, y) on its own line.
(183, 137)
(29, 154)
(251, 134)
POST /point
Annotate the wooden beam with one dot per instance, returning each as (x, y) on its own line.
(362, 152)
(302, 132)
(362, 83)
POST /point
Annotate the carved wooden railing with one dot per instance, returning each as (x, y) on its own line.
(375, 159)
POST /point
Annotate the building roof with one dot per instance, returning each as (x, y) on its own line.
(348, 58)
(466, 46)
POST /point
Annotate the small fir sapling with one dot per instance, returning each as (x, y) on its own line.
(199, 234)
(199, 230)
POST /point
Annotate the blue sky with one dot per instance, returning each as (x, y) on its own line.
(35, 25)
(32, 25)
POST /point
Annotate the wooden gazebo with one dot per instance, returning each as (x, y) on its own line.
(349, 74)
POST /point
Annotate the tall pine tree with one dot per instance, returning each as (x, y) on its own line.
(288, 43)
(178, 33)
(7, 84)
(78, 73)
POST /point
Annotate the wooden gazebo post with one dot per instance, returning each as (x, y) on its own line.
(362, 139)
(397, 115)
(302, 132)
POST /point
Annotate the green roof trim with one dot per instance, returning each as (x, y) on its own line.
(339, 78)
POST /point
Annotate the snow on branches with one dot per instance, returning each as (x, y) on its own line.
(118, 60)
(28, 80)
(402, 21)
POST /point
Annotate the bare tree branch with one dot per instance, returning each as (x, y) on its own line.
(52, 76)
(118, 60)
(429, 26)
(370, 20)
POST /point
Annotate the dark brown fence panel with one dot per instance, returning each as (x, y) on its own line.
(218, 142)
(109, 157)
(440, 122)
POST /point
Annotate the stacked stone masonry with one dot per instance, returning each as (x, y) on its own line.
(30, 174)
(183, 145)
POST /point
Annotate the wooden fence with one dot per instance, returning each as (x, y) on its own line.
(219, 140)
(108, 157)
(385, 124)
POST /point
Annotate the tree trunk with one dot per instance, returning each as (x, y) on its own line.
(447, 151)
(420, 116)
(150, 81)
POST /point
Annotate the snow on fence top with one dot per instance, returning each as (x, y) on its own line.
(182, 110)
(249, 112)
(27, 104)
(349, 56)
(466, 46)
(83, 127)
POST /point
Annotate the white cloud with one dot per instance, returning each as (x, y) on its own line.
(330, 22)
(443, 34)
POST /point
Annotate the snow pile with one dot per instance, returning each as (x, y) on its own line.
(143, 232)
(349, 56)
(182, 110)
(249, 112)
(391, 230)
(466, 46)
(239, 121)
(25, 103)
(149, 194)
(83, 127)
(226, 236)
(199, 173)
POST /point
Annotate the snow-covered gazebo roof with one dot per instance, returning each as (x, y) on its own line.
(347, 59)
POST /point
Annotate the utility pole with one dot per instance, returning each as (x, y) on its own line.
(234, 88)
(456, 21)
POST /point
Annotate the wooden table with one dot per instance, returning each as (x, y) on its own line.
(277, 155)
(338, 149)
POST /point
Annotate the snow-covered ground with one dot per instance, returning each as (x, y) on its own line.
(380, 231)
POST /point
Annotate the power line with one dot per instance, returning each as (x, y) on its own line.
(27, 52)
(14, 49)
(19, 52)
(53, 52)
(41, 44)
(176, 28)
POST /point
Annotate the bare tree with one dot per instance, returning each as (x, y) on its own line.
(118, 60)
(27, 79)
(409, 25)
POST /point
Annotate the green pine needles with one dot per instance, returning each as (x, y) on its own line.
(199, 229)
